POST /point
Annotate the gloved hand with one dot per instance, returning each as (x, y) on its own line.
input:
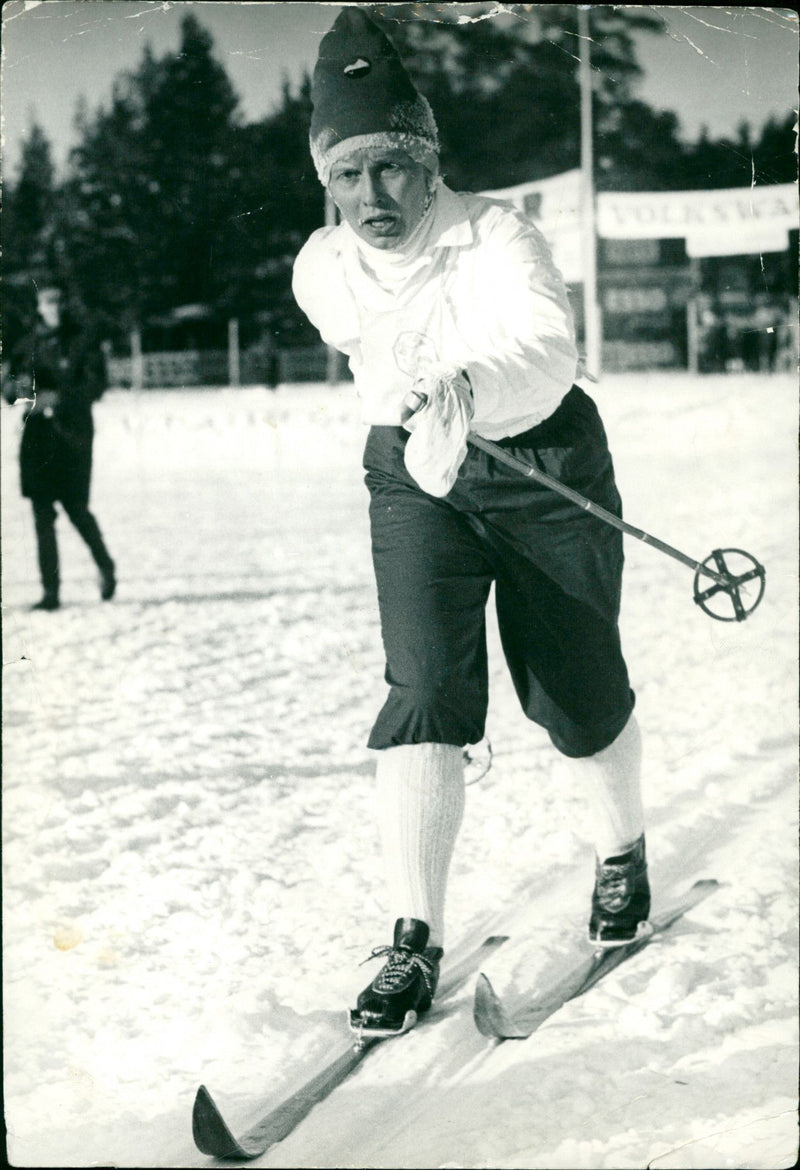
(442, 407)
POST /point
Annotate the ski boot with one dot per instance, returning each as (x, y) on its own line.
(621, 899)
(403, 988)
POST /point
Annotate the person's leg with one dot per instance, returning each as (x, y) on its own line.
(44, 518)
(88, 528)
(565, 662)
(571, 678)
(433, 583)
(611, 780)
(420, 805)
(558, 592)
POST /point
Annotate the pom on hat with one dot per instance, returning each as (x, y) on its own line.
(363, 96)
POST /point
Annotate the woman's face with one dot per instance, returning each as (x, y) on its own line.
(381, 193)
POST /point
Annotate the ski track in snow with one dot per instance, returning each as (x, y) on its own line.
(191, 876)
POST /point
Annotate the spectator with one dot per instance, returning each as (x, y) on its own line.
(59, 371)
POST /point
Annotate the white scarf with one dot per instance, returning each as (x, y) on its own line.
(386, 278)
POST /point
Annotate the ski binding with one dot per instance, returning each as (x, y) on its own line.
(643, 932)
(364, 1031)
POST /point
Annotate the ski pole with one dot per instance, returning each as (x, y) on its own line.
(725, 580)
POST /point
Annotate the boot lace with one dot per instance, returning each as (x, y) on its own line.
(401, 964)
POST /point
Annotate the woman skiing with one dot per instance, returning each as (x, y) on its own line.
(455, 319)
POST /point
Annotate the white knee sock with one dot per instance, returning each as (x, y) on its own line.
(420, 805)
(612, 781)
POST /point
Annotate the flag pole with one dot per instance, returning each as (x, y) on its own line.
(591, 311)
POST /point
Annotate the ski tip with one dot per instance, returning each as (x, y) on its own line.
(491, 1018)
(484, 1005)
(496, 940)
(203, 1106)
(485, 995)
(209, 1130)
(700, 891)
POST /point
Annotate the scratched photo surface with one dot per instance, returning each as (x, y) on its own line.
(191, 872)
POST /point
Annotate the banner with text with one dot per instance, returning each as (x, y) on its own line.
(727, 222)
(731, 221)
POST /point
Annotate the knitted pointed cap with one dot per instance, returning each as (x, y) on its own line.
(363, 96)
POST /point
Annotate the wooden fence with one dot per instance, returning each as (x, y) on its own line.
(213, 368)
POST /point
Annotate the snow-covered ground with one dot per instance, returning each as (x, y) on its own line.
(190, 871)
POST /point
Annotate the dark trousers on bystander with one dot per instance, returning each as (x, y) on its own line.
(44, 514)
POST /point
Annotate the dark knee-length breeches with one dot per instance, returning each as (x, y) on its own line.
(557, 573)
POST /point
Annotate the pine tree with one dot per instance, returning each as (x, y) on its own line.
(29, 208)
(150, 188)
(28, 247)
(191, 117)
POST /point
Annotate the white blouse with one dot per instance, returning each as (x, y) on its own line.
(484, 296)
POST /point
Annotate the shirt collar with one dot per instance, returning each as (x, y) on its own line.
(451, 225)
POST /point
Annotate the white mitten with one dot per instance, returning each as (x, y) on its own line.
(439, 429)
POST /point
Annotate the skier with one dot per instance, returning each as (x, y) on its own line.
(454, 318)
(56, 368)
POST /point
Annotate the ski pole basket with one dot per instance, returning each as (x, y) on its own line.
(730, 570)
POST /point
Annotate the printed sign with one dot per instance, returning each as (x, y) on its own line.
(749, 212)
(733, 221)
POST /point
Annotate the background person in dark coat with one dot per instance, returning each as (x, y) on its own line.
(58, 369)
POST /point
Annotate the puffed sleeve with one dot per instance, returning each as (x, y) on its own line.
(320, 290)
(526, 357)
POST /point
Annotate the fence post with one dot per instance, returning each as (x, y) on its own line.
(693, 316)
(234, 369)
(137, 360)
(692, 336)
